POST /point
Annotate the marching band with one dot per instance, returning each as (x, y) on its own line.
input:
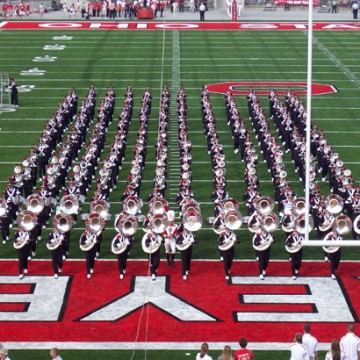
(332, 217)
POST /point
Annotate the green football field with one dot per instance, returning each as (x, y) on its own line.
(190, 59)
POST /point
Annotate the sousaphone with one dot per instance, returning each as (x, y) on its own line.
(150, 243)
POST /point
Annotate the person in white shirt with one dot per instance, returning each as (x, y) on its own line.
(54, 353)
(298, 350)
(203, 354)
(4, 354)
(310, 342)
(335, 352)
(350, 344)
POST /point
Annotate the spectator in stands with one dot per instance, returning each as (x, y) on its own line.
(202, 9)
(334, 5)
(355, 8)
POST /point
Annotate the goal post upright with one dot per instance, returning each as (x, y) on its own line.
(4, 90)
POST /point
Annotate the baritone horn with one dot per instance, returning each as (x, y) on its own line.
(158, 205)
(100, 207)
(63, 222)
(342, 224)
(132, 205)
(300, 224)
(69, 204)
(264, 205)
(233, 220)
(35, 203)
(27, 220)
(125, 224)
(192, 221)
(334, 204)
(158, 223)
(328, 248)
(119, 244)
(299, 206)
(270, 222)
(356, 224)
(95, 223)
(150, 243)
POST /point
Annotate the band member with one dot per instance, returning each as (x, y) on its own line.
(14, 92)
(184, 238)
(170, 234)
(227, 237)
(262, 244)
(22, 243)
(119, 241)
(88, 242)
(57, 252)
(293, 246)
(153, 242)
(334, 255)
(5, 222)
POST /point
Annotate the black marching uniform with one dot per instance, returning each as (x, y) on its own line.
(185, 237)
(88, 241)
(24, 252)
(122, 257)
(293, 241)
(229, 254)
(261, 239)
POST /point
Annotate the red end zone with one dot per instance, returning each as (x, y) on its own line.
(108, 25)
(40, 308)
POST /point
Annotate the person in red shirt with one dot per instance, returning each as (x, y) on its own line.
(243, 353)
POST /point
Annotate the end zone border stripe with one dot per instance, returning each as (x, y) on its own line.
(193, 346)
(190, 25)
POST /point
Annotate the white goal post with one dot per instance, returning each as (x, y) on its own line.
(4, 90)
